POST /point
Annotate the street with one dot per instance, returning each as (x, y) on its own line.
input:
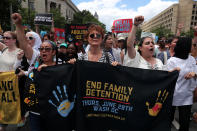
(193, 125)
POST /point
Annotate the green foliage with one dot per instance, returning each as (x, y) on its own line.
(5, 12)
(59, 21)
(189, 33)
(162, 32)
(85, 17)
(28, 17)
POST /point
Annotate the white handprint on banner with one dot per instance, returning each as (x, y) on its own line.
(64, 107)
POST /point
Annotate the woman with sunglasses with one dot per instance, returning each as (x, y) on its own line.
(72, 50)
(143, 58)
(8, 57)
(95, 35)
(9, 51)
(47, 52)
(33, 39)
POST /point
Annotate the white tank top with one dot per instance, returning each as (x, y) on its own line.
(7, 60)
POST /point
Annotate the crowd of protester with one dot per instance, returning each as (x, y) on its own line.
(24, 52)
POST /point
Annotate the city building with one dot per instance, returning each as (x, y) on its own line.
(96, 15)
(184, 12)
(67, 8)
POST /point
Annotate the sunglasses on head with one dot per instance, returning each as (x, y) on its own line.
(95, 36)
(30, 38)
(6, 38)
(47, 49)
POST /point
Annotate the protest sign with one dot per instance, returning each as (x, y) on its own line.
(59, 34)
(122, 25)
(10, 112)
(43, 19)
(107, 97)
(123, 98)
(75, 32)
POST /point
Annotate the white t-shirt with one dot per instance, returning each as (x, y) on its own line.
(140, 62)
(7, 60)
(183, 93)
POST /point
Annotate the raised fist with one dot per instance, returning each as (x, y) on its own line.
(20, 54)
(180, 26)
(16, 18)
(138, 20)
(195, 28)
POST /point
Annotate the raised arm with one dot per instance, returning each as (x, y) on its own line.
(52, 26)
(23, 43)
(179, 28)
(114, 37)
(132, 35)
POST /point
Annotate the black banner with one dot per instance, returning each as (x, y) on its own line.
(43, 19)
(56, 97)
(122, 98)
(75, 32)
(107, 98)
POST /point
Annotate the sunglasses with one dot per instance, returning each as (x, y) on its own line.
(6, 38)
(148, 42)
(30, 38)
(95, 36)
(194, 45)
(164, 41)
(47, 49)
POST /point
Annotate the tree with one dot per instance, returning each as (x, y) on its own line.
(28, 17)
(162, 32)
(85, 17)
(5, 12)
(189, 33)
(59, 20)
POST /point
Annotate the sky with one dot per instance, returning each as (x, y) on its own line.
(110, 10)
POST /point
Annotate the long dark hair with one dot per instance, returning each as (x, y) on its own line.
(183, 47)
(141, 42)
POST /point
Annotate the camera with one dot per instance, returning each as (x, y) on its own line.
(17, 70)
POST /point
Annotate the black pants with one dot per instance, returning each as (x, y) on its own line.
(184, 116)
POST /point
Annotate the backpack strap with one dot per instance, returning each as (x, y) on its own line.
(4, 49)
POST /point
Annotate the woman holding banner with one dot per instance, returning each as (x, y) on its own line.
(143, 58)
(45, 58)
(8, 57)
(95, 35)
